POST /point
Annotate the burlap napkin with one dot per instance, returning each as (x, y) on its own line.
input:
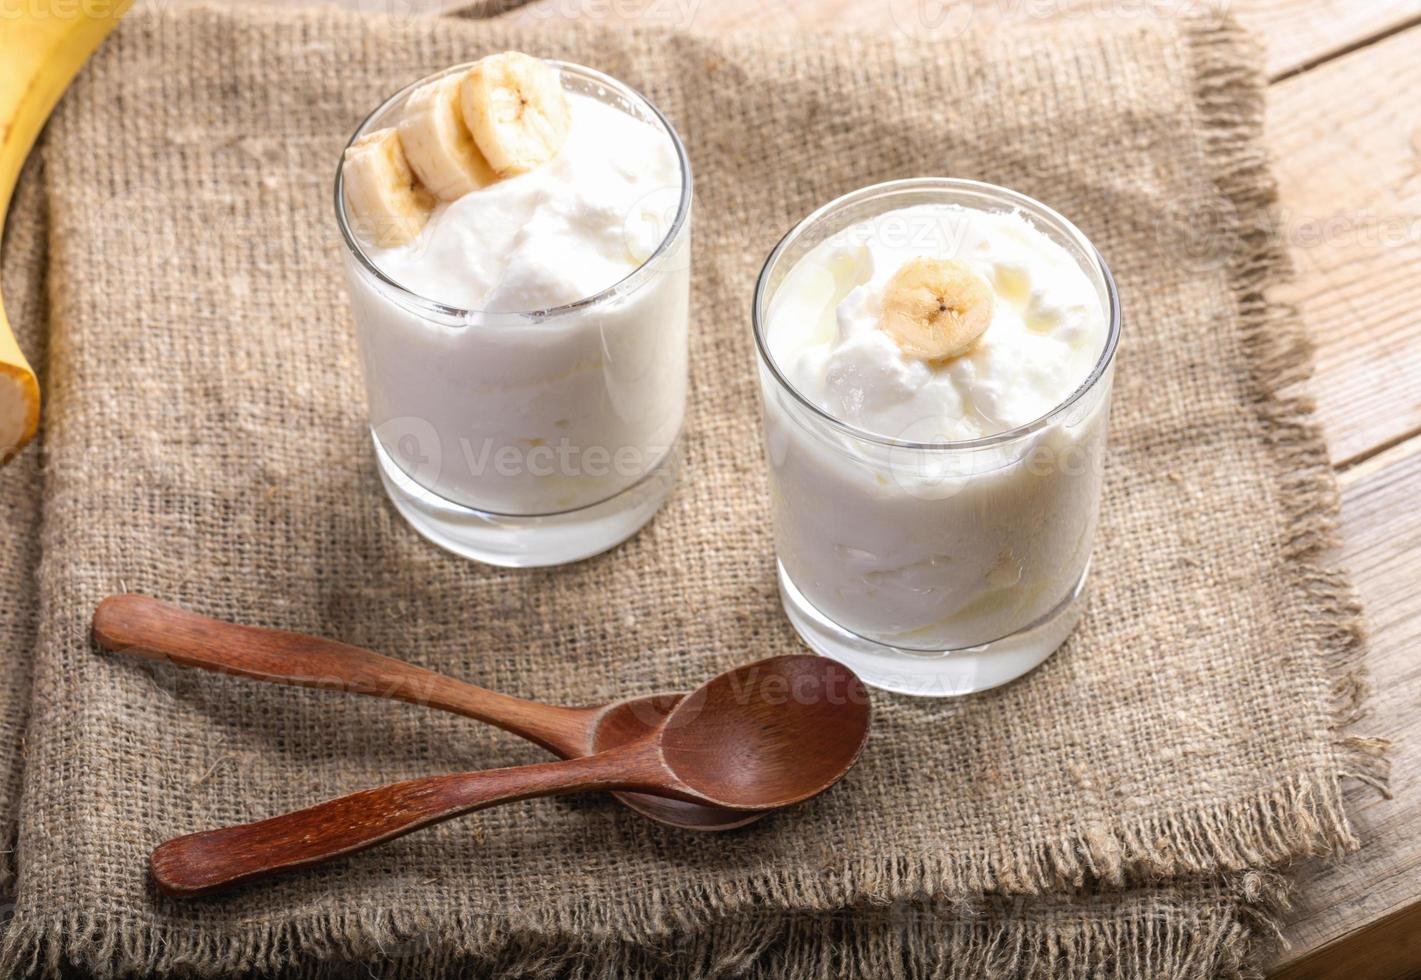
(206, 434)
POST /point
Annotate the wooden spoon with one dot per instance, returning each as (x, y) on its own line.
(146, 627)
(756, 738)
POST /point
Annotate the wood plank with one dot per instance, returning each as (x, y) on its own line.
(1385, 950)
(1382, 550)
(1346, 141)
(1300, 33)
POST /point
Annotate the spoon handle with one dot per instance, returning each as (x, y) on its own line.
(215, 859)
(145, 627)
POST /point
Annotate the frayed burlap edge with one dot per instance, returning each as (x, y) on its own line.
(823, 927)
(1180, 938)
(1230, 100)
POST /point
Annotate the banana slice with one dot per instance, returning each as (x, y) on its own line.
(387, 205)
(438, 144)
(936, 308)
(515, 107)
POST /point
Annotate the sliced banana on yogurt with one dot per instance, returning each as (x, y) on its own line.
(936, 308)
(516, 109)
(387, 205)
(506, 115)
(438, 144)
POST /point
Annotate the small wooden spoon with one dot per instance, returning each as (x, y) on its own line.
(145, 627)
(758, 737)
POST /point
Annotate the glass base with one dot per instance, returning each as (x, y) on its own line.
(934, 674)
(514, 541)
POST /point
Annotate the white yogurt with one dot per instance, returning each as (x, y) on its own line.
(1047, 331)
(941, 548)
(564, 231)
(521, 414)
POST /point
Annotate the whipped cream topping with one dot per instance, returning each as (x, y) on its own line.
(1047, 332)
(560, 233)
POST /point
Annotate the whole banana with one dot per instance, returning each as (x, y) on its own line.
(42, 48)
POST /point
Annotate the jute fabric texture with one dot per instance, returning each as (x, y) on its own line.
(1112, 814)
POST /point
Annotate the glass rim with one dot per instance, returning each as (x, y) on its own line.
(1003, 194)
(627, 284)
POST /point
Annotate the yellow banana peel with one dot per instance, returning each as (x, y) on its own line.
(43, 44)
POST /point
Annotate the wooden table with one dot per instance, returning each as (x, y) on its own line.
(1345, 130)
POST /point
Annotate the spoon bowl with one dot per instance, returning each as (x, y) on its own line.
(627, 721)
(769, 734)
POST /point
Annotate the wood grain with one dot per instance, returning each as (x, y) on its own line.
(142, 626)
(215, 860)
(1382, 523)
(1346, 140)
(1387, 949)
(1300, 33)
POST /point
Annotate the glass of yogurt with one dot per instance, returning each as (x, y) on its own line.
(935, 360)
(517, 238)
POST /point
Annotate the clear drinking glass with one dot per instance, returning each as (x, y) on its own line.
(934, 567)
(534, 438)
